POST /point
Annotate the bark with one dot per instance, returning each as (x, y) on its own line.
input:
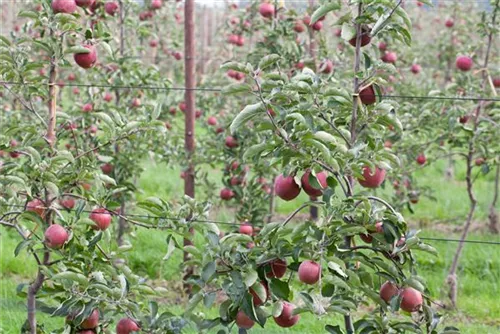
(189, 64)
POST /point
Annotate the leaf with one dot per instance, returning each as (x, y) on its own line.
(254, 150)
(209, 299)
(123, 285)
(268, 60)
(348, 31)
(5, 41)
(105, 118)
(237, 88)
(323, 10)
(170, 248)
(208, 271)
(337, 269)
(76, 49)
(232, 65)
(28, 14)
(249, 112)
(193, 251)
(250, 278)
(280, 289)
(334, 329)
(194, 301)
(106, 179)
(325, 137)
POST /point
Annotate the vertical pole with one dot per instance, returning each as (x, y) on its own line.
(203, 35)
(190, 84)
(313, 210)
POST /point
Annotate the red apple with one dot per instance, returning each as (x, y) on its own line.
(231, 142)
(226, 194)
(107, 168)
(36, 206)
(367, 95)
(101, 217)
(136, 102)
(87, 107)
(156, 4)
(108, 97)
(464, 63)
(390, 57)
(299, 27)
(212, 121)
(177, 55)
(266, 10)
(372, 180)
(382, 46)
(257, 301)
(84, 3)
(421, 159)
(309, 272)
(126, 326)
(366, 238)
(326, 66)
(92, 321)
(317, 26)
(365, 38)
(111, 8)
(277, 268)
(388, 290)
(243, 321)
(67, 203)
(308, 188)
(183, 106)
(496, 82)
(286, 318)
(153, 43)
(63, 6)
(246, 228)
(415, 68)
(55, 236)
(449, 23)
(286, 188)
(479, 161)
(86, 60)
(411, 300)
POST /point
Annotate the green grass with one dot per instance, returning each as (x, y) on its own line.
(478, 274)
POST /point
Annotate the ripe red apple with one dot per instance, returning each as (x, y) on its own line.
(246, 228)
(101, 218)
(496, 82)
(232, 39)
(76, 91)
(71, 77)
(366, 238)
(365, 38)
(379, 227)
(86, 60)
(266, 10)
(388, 290)
(449, 23)
(111, 8)
(226, 194)
(240, 41)
(243, 321)
(326, 66)
(372, 180)
(411, 300)
(212, 121)
(277, 268)
(286, 188)
(107, 168)
(257, 301)
(156, 4)
(300, 65)
(86, 331)
(63, 6)
(87, 107)
(92, 321)
(136, 102)
(308, 188)
(317, 26)
(55, 236)
(286, 318)
(420, 4)
(479, 161)
(231, 142)
(382, 46)
(367, 95)
(36, 206)
(67, 203)
(126, 326)
(108, 97)
(153, 43)
(183, 106)
(84, 3)
(299, 27)
(464, 63)
(415, 68)
(421, 159)
(309, 272)
(390, 57)
(177, 55)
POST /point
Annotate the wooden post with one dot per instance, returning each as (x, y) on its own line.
(189, 118)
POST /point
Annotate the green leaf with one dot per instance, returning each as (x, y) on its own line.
(280, 289)
(237, 88)
(209, 299)
(268, 60)
(76, 49)
(323, 10)
(348, 31)
(334, 329)
(208, 271)
(254, 150)
(337, 269)
(28, 14)
(232, 65)
(5, 41)
(250, 277)
(105, 118)
(106, 179)
(194, 301)
(249, 112)
(170, 248)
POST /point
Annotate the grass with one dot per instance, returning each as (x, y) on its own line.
(478, 274)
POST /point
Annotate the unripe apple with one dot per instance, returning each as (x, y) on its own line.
(67, 203)
(299, 27)
(286, 188)
(246, 228)
(464, 63)
(421, 159)
(390, 57)
(317, 26)
(231, 142)
(411, 300)
(36, 206)
(92, 321)
(308, 188)
(243, 321)
(126, 326)
(388, 290)
(367, 95)
(87, 107)
(257, 301)
(101, 218)
(226, 194)
(415, 68)
(309, 272)
(84, 3)
(266, 10)
(449, 23)
(372, 180)
(365, 38)
(55, 236)
(86, 60)
(277, 268)
(326, 66)
(63, 6)
(111, 8)
(156, 4)
(286, 318)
